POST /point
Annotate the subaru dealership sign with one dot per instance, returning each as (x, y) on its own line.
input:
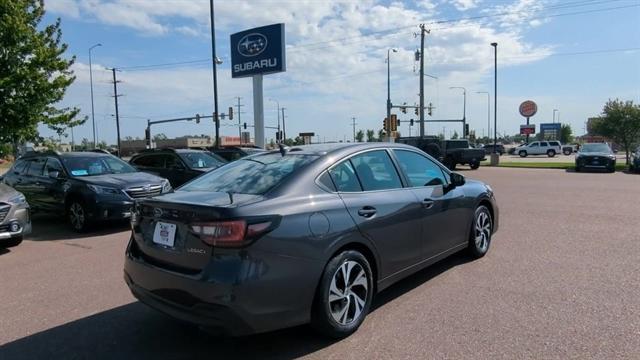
(259, 50)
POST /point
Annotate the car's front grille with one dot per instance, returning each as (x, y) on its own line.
(4, 228)
(144, 191)
(4, 210)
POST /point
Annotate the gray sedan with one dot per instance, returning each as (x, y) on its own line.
(15, 221)
(307, 234)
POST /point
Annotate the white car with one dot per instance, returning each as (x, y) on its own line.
(550, 148)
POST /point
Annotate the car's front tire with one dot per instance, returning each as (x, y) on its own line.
(481, 231)
(522, 153)
(566, 152)
(344, 295)
(474, 165)
(77, 215)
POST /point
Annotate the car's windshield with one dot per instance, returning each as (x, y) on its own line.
(96, 165)
(201, 160)
(601, 147)
(254, 175)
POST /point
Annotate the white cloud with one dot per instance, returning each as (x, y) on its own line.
(463, 5)
(64, 7)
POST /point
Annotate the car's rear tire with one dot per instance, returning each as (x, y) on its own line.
(481, 231)
(474, 165)
(551, 153)
(611, 169)
(77, 215)
(522, 153)
(340, 306)
(10, 242)
(578, 168)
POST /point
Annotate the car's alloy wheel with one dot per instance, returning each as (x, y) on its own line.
(344, 295)
(77, 216)
(522, 154)
(480, 238)
(551, 153)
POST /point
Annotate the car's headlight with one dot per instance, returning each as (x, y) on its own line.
(103, 190)
(166, 186)
(18, 199)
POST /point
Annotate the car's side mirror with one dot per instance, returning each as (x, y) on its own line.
(54, 174)
(457, 179)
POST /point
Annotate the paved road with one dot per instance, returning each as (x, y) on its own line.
(562, 280)
(620, 158)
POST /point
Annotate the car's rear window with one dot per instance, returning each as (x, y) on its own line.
(254, 175)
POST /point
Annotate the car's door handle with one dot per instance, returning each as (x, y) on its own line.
(427, 203)
(367, 211)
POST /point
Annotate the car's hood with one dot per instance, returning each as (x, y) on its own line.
(203, 198)
(122, 181)
(7, 192)
(603, 154)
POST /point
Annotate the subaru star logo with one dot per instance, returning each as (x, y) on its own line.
(252, 44)
(157, 212)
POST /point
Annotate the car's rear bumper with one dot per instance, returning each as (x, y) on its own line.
(238, 292)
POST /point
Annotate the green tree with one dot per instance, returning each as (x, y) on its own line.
(381, 135)
(360, 136)
(33, 73)
(156, 137)
(103, 145)
(371, 136)
(620, 122)
(455, 135)
(566, 134)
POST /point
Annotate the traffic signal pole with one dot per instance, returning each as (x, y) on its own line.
(423, 31)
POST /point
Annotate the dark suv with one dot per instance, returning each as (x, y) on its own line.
(233, 153)
(176, 165)
(85, 186)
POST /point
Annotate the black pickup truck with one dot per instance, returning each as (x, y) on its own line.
(448, 152)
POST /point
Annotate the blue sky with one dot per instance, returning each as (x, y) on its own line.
(565, 55)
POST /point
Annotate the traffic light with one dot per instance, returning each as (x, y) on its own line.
(197, 118)
(245, 126)
(411, 122)
(430, 109)
(417, 111)
(466, 131)
(385, 124)
(403, 108)
(394, 122)
(147, 135)
(230, 112)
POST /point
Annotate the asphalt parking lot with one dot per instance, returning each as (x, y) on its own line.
(561, 280)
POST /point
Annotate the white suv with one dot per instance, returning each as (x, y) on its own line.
(550, 148)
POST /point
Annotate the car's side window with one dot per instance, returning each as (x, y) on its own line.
(36, 166)
(344, 177)
(376, 171)
(154, 161)
(325, 180)
(20, 167)
(420, 170)
(544, 144)
(172, 162)
(53, 165)
(533, 144)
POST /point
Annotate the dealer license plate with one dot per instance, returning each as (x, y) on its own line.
(164, 234)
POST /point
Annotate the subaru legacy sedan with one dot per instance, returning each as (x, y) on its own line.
(307, 234)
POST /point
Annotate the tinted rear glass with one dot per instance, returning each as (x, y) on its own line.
(201, 160)
(96, 165)
(255, 175)
(604, 148)
(461, 144)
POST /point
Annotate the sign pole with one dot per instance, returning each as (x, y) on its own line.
(258, 111)
(527, 132)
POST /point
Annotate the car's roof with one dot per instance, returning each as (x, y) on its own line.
(331, 148)
(64, 154)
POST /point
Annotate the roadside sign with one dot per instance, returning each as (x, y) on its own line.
(550, 127)
(310, 134)
(259, 50)
(527, 129)
(528, 108)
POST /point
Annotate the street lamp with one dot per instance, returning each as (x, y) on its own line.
(216, 61)
(278, 113)
(93, 118)
(554, 115)
(494, 159)
(389, 84)
(488, 111)
(464, 110)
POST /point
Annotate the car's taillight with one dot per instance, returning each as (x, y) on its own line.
(235, 233)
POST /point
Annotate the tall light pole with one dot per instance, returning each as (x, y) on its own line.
(495, 100)
(216, 62)
(464, 110)
(554, 115)
(389, 85)
(277, 112)
(488, 111)
(93, 116)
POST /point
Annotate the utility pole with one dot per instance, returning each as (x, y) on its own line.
(284, 128)
(216, 118)
(239, 123)
(93, 116)
(353, 123)
(115, 96)
(389, 86)
(423, 31)
(495, 157)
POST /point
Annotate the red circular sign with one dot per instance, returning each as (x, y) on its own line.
(528, 108)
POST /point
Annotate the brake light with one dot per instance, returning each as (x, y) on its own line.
(223, 233)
